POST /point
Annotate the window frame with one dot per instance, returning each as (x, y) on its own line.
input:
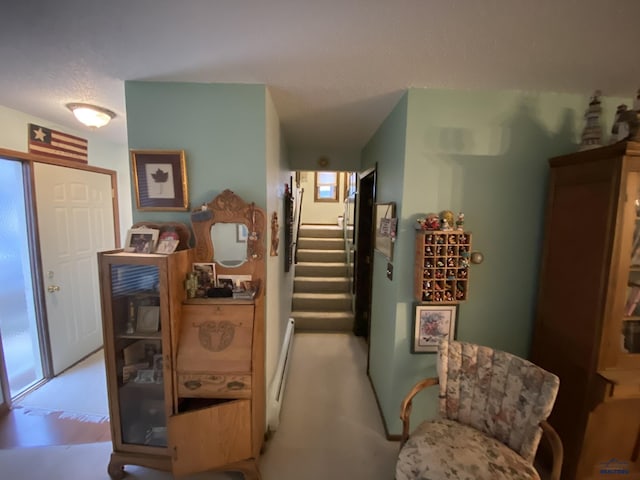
(316, 188)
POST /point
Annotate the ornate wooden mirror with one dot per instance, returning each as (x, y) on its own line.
(230, 232)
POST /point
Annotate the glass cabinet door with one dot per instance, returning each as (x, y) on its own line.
(136, 304)
(630, 334)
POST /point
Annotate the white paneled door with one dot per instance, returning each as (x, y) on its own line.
(75, 220)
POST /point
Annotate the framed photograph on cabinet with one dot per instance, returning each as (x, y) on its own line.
(148, 319)
(168, 241)
(160, 179)
(206, 274)
(431, 324)
(232, 281)
(141, 240)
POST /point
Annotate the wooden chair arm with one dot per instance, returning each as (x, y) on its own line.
(556, 449)
(405, 408)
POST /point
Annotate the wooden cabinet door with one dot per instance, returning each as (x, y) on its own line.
(211, 437)
(215, 339)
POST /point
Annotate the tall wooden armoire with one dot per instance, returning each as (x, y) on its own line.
(587, 328)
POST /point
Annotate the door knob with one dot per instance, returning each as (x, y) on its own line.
(53, 288)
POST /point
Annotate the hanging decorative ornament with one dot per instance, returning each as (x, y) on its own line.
(254, 235)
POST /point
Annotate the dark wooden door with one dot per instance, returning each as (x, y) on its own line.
(364, 252)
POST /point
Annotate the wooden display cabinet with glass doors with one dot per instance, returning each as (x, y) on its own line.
(185, 377)
(141, 297)
(151, 425)
(587, 327)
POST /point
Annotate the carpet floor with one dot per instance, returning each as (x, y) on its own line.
(330, 427)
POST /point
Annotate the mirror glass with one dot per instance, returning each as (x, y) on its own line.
(229, 243)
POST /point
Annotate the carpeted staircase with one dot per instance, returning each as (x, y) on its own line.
(322, 300)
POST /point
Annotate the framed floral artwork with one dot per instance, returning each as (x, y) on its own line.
(160, 179)
(431, 324)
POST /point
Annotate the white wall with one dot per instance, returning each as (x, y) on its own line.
(104, 154)
(345, 159)
(320, 212)
(280, 284)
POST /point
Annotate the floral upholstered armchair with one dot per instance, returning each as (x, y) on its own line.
(493, 410)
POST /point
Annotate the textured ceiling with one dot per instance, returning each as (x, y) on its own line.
(335, 68)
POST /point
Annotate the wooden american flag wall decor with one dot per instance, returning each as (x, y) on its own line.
(53, 144)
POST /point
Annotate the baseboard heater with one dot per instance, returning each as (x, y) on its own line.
(276, 389)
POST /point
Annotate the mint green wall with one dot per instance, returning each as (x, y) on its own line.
(232, 139)
(483, 153)
(386, 152)
(221, 127)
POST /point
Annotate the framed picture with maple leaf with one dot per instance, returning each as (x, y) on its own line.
(160, 179)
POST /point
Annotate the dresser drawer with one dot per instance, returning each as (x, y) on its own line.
(213, 385)
(215, 338)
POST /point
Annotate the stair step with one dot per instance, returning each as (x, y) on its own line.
(321, 284)
(317, 231)
(321, 302)
(335, 256)
(315, 269)
(320, 243)
(322, 321)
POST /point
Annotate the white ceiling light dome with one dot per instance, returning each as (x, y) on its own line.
(91, 115)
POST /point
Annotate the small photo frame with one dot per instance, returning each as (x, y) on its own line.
(160, 179)
(233, 281)
(206, 273)
(225, 282)
(431, 324)
(168, 242)
(242, 232)
(145, 376)
(148, 319)
(141, 240)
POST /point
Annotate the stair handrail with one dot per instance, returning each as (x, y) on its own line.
(295, 240)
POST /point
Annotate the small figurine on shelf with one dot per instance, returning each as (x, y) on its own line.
(130, 328)
(446, 216)
(429, 222)
(620, 129)
(592, 133)
(636, 108)
(444, 225)
(460, 221)
(191, 284)
(626, 124)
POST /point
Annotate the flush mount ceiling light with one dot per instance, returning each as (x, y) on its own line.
(91, 115)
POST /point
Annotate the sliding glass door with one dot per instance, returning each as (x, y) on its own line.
(18, 327)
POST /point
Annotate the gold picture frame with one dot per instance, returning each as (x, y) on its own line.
(160, 179)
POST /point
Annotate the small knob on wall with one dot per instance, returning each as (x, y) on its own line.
(477, 258)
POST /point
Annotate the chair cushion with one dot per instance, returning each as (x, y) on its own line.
(446, 449)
